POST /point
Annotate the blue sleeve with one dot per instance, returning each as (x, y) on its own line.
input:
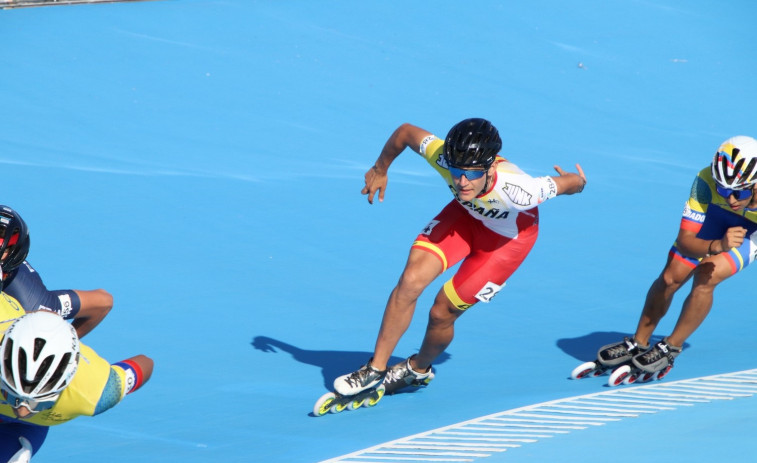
(26, 286)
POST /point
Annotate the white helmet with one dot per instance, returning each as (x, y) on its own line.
(39, 353)
(735, 163)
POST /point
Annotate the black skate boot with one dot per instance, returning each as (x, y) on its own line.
(358, 381)
(612, 355)
(657, 360)
(402, 375)
(609, 357)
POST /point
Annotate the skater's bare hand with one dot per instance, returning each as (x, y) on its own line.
(569, 182)
(375, 181)
(733, 238)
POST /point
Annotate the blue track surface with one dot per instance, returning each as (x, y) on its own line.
(203, 160)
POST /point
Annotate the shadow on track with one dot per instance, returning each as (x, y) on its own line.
(332, 363)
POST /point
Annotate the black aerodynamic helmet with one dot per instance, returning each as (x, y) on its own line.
(15, 239)
(472, 143)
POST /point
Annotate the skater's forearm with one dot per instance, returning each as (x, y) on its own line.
(406, 135)
(691, 246)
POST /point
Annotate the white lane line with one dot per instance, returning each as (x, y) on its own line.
(482, 437)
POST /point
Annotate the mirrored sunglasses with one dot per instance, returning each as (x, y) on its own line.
(740, 195)
(469, 174)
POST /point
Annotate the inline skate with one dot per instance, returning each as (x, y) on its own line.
(353, 390)
(334, 402)
(651, 364)
(402, 375)
(609, 358)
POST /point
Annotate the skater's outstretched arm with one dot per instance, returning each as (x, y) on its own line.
(406, 135)
(569, 182)
(95, 305)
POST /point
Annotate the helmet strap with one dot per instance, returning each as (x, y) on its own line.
(486, 183)
(488, 179)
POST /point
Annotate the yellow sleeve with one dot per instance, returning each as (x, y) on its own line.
(431, 149)
(10, 310)
(96, 387)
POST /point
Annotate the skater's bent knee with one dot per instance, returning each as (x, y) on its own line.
(412, 284)
(669, 281)
(443, 315)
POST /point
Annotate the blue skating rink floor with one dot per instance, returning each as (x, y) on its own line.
(203, 160)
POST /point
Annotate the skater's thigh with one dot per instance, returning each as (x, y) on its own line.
(715, 225)
(448, 236)
(678, 268)
(740, 258)
(483, 273)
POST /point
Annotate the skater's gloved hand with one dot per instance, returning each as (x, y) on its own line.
(25, 454)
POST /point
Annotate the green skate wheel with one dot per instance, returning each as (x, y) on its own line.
(355, 404)
(337, 408)
(323, 404)
(374, 398)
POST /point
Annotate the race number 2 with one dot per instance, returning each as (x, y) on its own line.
(488, 292)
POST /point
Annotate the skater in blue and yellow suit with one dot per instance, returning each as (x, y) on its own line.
(715, 241)
(74, 380)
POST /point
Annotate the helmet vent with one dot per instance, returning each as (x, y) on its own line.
(730, 177)
(39, 344)
(27, 385)
(65, 359)
(8, 363)
(748, 171)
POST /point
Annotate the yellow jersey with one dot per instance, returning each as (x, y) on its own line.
(702, 198)
(96, 386)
